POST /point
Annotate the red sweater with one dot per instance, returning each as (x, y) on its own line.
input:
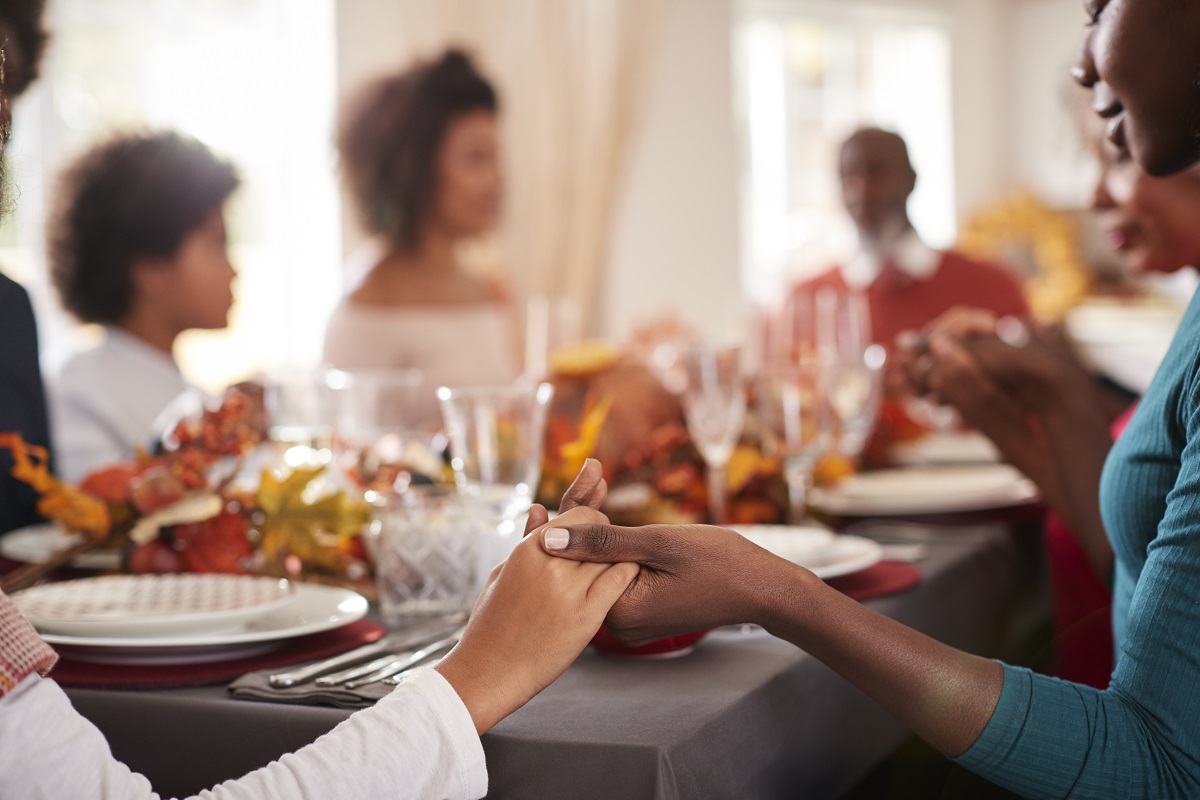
(900, 304)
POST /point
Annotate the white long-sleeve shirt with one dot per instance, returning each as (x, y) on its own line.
(104, 402)
(418, 742)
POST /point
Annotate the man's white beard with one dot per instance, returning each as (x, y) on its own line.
(883, 244)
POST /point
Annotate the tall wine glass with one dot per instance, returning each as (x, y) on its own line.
(853, 366)
(496, 435)
(793, 412)
(855, 395)
(714, 405)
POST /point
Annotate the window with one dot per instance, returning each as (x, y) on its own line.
(808, 74)
(252, 79)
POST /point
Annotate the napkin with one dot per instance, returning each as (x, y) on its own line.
(254, 686)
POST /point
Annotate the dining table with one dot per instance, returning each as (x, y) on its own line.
(743, 715)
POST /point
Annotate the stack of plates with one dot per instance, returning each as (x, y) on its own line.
(826, 554)
(188, 618)
(926, 490)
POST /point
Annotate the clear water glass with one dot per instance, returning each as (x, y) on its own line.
(496, 435)
(298, 429)
(424, 544)
(373, 419)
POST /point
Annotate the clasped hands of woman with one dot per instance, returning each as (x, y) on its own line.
(1023, 387)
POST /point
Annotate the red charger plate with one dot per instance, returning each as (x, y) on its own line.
(673, 646)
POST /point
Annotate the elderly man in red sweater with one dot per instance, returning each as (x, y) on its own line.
(907, 284)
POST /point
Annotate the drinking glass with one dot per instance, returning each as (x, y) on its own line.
(853, 366)
(714, 406)
(297, 420)
(374, 436)
(496, 435)
(855, 387)
(793, 412)
(424, 542)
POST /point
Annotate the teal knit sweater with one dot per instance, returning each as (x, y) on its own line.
(1140, 737)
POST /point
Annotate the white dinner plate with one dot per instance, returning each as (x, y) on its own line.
(1122, 341)
(946, 448)
(926, 490)
(312, 609)
(37, 542)
(825, 554)
(151, 605)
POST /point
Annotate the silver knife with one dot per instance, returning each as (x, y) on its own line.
(391, 643)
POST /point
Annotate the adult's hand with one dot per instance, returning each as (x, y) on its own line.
(693, 577)
(532, 620)
(1066, 439)
(589, 490)
(960, 380)
(913, 360)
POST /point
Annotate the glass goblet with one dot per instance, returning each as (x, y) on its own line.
(793, 410)
(714, 405)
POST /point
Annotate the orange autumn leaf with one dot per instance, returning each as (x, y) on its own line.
(74, 509)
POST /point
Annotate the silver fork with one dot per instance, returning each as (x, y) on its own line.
(395, 680)
(395, 666)
(389, 646)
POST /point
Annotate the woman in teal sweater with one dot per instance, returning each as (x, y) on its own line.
(1036, 735)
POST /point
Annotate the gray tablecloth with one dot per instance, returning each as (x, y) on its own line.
(743, 716)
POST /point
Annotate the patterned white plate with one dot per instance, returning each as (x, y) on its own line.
(151, 605)
(315, 608)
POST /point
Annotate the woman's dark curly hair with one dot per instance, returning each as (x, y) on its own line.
(24, 40)
(389, 135)
(135, 196)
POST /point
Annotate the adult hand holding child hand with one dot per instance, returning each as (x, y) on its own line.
(535, 615)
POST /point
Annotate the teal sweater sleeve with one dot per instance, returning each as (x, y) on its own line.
(1141, 736)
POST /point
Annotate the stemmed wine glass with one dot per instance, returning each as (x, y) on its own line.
(793, 413)
(855, 394)
(853, 366)
(714, 405)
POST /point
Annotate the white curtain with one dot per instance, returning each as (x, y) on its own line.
(573, 77)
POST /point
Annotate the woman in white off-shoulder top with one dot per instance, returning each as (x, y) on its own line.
(419, 154)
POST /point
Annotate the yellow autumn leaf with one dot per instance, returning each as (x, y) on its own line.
(306, 529)
(574, 453)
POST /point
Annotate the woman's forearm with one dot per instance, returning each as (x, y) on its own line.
(945, 695)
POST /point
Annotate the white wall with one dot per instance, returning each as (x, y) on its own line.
(1050, 154)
